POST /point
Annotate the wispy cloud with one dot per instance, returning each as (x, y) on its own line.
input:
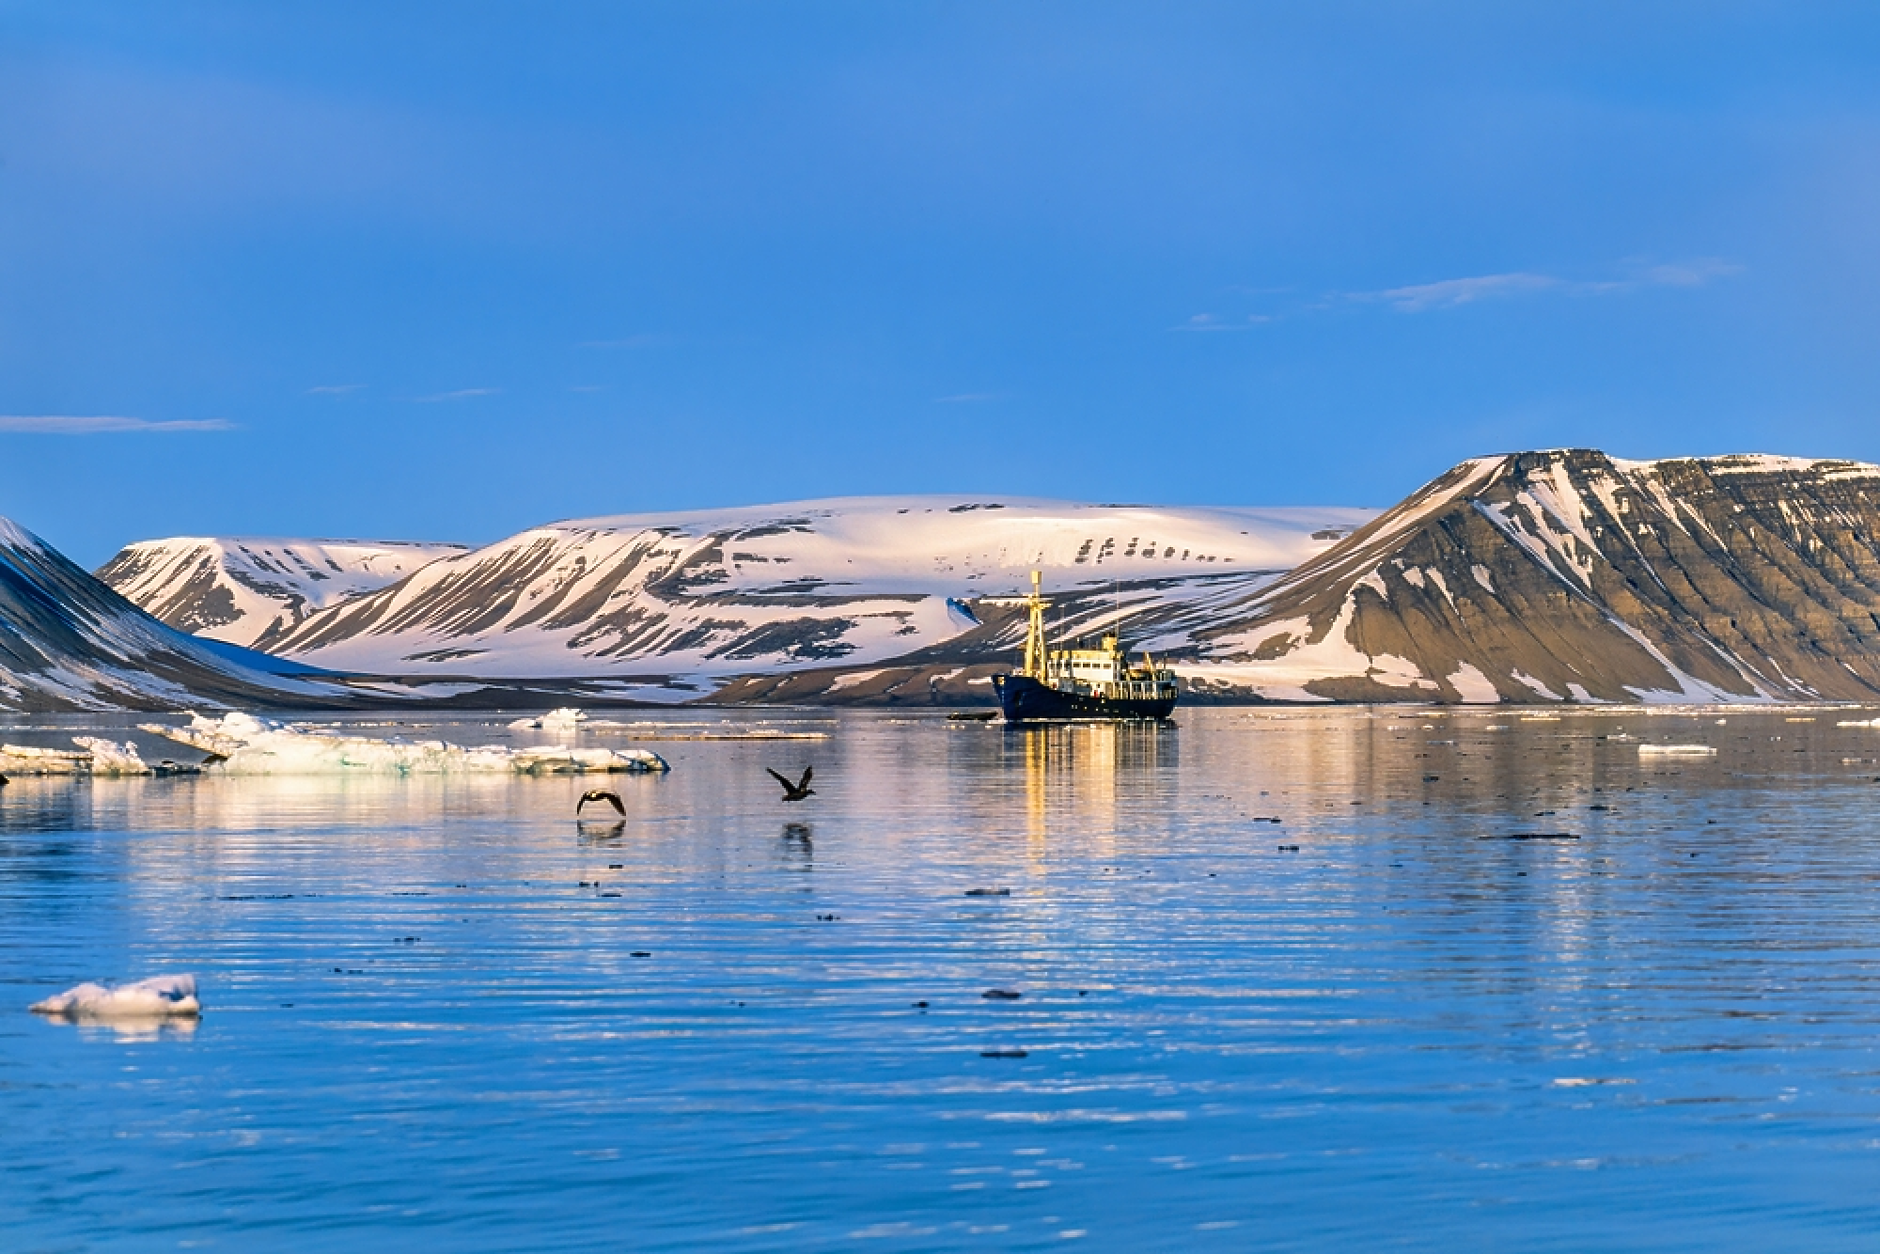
(969, 398)
(1215, 322)
(1449, 293)
(334, 389)
(461, 394)
(69, 424)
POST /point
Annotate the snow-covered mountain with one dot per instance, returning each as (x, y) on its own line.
(68, 642)
(251, 591)
(1571, 575)
(1545, 576)
(681, 602)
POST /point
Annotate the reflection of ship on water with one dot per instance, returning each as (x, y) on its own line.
(1081, 683)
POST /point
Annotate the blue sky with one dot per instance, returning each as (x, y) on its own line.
(448, 270)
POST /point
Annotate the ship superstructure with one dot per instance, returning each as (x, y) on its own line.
(1081, 683)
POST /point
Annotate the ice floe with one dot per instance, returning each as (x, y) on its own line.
(29, 760)
(159, 997)
(110, 758)
(566, 719)
(255, 746)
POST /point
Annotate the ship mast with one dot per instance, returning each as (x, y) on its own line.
(1034, 638)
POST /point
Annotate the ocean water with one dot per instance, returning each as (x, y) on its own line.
(1285, 983)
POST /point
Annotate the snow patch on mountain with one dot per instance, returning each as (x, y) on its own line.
(68, 642)
(1567, 573)
(250, 591)
(686, 599)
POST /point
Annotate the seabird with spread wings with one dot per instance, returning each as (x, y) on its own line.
(798, 790)
(601, 794)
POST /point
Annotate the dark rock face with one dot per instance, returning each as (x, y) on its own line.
(67, 643)
(1571, 575)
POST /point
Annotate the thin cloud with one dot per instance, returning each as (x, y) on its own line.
(69, 424)
(334, 389)
(1213, 322)
(461, 394)
(1449, 293)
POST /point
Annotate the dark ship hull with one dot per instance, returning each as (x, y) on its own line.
(1024, 699)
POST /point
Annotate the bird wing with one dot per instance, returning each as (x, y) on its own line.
(612, 799)
(804, 782)
(781, 780)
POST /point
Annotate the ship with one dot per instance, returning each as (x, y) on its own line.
(1081, 683)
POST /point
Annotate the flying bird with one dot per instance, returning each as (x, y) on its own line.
(798, 790)
(601, 794)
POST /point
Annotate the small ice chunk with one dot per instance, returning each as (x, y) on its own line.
(110, 758)
(566, 719)
(159, 997)
(1679, 749)
(30, 760)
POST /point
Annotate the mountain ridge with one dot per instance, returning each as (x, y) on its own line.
(683, 603)
(1571, 575)
(1562, 575)
(251, 590)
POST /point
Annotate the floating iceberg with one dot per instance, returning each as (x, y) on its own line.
(110, 758)
(159, 997)
(1692, 750)
(566, 719)
(94, 756)
(248, 745)
(27, 760)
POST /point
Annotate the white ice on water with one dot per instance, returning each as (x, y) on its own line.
(110, 758)
(564, 720)
(32, 760)
(257, 746)
(159, 997)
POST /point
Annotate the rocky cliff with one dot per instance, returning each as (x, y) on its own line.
(1571, 575)
(251, 591)
(68, 642)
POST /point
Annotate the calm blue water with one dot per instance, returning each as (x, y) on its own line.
(1228, 1045)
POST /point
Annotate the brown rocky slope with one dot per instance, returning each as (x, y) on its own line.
(1572, 575)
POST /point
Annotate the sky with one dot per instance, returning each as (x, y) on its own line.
(448, 270)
